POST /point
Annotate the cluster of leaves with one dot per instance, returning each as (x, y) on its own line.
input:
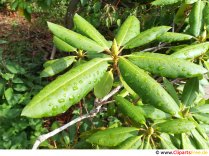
(26, 7)
(153, 115)
(16, 89)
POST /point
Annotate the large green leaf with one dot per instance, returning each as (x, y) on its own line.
(57, 66)
(61, 45)
(104, 86)
(112, 136)
(200, 109)
(195, 18)
(153, 113)
(173, 37)
(129, 29)
(201, 117)
(165, 65)
(87, 29)
(66, 90)
(206, 16)
(166, 141)
(127, 88)
(165, 2)
(147, 88)
(180, 15)
(186, 142)
(192, 51)
(130, 110)
(205, 127)
(171, 90)
(199, 140)
(175, 126)
(146, 37)
(191, 89)
(131, 143)
(74, 39)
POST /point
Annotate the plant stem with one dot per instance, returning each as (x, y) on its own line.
(91, 114)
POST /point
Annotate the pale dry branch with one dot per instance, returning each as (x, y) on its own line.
(91, 114)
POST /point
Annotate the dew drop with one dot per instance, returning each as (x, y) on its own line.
(61, 100)
(75, 88)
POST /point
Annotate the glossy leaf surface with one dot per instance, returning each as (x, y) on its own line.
(57, 66)
(87, 29)
(146, 37)
(147, 88)
(61, 45)
(165, 65)
(112, 136)
(192, 51)
(74, 39)
(104, 86)
(66, 90)
(129, 29)
(175, 126)
(130, 110)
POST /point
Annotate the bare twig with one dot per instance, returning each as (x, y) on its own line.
(53, 53)
(91, 114)
(154, 49)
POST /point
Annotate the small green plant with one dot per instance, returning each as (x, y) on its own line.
(153, 115)
(16, 90)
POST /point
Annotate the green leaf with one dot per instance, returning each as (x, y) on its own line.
(165, 2)
(192, 51)
(127, 88)
(195, 18)
(147, 88)
(191, 89)
(180, 15)
(61, 45)
(56, 66)
(200, 109)
(20, 87)
(129, 29)
(130, 110)
(199, 128)
(146, 37)
(3, 42)
(173, 37)
(147, 144)
(66, 90)
(14, 68)
(166, 141)
(205, 127)
(199, 140)
(74, 39)
(201, 117)
(175, 126)
(10, 97)
(171, 90)
(206, 16)
(131, 143)
(104, 86)
(153, 113)
(165, 65)
(112, 136)
(187, 142)
(87, 29)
